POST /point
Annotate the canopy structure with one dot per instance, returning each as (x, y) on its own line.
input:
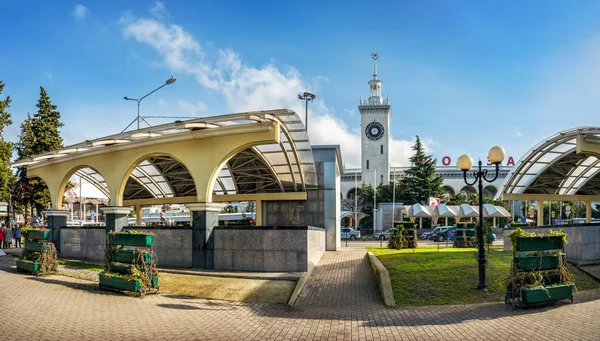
(444, 211)
(419, 211)
(462, 211)
(220, 158)
(491, 211)
(468, 211)
(562, 167)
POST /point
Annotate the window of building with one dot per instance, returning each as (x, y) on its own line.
(381, 149)
(367, 164)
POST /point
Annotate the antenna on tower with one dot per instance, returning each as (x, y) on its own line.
(375, 56)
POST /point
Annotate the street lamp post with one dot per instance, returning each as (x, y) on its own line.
(138, 118)
(307, 97)
(465, 162)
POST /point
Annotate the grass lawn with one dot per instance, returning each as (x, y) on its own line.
(426, 276)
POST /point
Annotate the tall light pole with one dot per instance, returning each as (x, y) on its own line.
(307, 97)
(138, 118)
(465, 162)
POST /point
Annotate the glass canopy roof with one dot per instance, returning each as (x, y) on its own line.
(553, 166)
(284, 167)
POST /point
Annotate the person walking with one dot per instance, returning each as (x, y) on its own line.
(17, 235)
(2, 228)
(7, 237)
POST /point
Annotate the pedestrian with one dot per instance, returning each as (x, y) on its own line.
(7, 237)
(2, 228)
(17, 234)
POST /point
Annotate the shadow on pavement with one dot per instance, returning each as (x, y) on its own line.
(179, 306)
(93, 287)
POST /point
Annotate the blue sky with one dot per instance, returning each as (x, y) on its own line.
(464, 75)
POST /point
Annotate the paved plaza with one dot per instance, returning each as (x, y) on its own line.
(339, 302)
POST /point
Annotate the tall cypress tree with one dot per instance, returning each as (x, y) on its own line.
(7, 178)
(39, 134)
(420, 181)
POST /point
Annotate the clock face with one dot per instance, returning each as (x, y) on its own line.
(374, 131)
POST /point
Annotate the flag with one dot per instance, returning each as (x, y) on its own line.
(434, 201)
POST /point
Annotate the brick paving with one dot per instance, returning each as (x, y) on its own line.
(340, 303)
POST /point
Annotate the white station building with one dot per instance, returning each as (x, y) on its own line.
(376, 113)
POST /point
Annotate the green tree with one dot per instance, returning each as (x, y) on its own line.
(39, 134)
(7, 178)
(420, 181)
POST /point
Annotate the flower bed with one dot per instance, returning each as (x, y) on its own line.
(38, 234)
(540, 243)
(534, 263)
(544, 294)
(130, 239)
(27, 266)
(128, 256)
(36, 246)
(118, 282)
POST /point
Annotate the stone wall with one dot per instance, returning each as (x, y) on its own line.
(83, 243)
(172, 245)
(583, 241)
(268, 248)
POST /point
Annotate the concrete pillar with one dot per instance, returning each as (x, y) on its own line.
(494, 222)
(56, 219)
(540, 212)
(205, 216)
(116, 217)
(138, 215)
(588, 212)
(259, 213)
(446, 221)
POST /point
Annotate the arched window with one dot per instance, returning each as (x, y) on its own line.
(367, 164)
(381, 149)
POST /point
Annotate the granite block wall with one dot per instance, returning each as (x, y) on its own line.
(268, 248)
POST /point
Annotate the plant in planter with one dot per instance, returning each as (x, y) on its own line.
(537, 274)
(127, 266)
(40, 256)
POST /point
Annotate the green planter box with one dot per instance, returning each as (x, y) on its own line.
(38, 235)
(534, 263)
(35, 246)
(120, 269)
(130, 239)
(129, 256)
(540, 243)
(120, 283)
(155, 282)
(540, 295)
(30, 267)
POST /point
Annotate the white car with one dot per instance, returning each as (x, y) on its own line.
(350, 233)
(385, 235)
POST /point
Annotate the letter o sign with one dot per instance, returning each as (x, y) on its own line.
(446, 161)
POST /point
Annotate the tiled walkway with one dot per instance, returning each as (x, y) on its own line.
(340, 303)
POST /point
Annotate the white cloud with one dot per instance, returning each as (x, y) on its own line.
(191, 109)
(245, 87)
(159, 11)
(80, 12)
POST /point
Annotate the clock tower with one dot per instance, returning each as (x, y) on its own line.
(375, 117)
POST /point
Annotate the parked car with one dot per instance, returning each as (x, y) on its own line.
(348, 232)
(444, 233)
(428, 235)
(385, 235)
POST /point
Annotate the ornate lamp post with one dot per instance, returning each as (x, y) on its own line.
(465, 162)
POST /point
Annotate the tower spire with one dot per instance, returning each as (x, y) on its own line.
(375, 56)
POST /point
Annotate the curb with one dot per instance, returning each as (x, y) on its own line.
(383, 278)
(298, 289)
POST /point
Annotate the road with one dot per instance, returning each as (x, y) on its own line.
(364, 243)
